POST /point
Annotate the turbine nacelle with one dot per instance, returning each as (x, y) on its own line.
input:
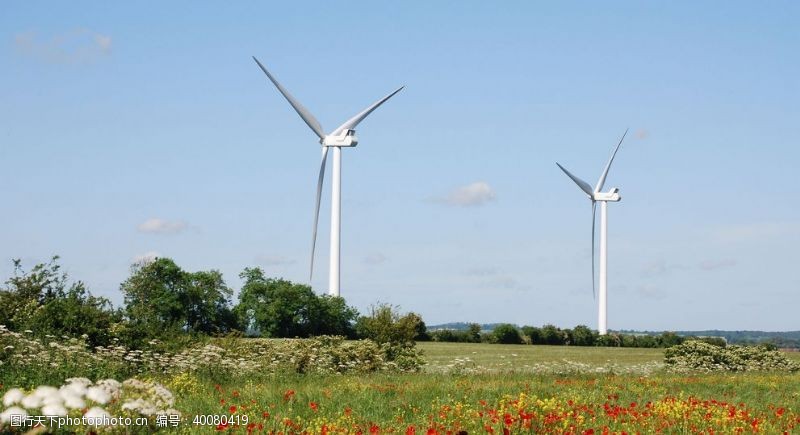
(610, 196)
(347, 139)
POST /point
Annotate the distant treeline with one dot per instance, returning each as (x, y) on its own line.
(785, 340)
(580, 335)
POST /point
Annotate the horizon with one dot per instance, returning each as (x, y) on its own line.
(129, 134)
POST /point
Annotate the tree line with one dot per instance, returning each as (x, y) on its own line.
(166, 303)
(580, 335)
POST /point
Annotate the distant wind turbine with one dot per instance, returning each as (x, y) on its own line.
(603, 198)
(342, 136)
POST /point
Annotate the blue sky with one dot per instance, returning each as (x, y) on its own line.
(133, 129)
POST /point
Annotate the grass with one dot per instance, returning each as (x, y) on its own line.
(515, 356)
(453, 400)
(520, 388)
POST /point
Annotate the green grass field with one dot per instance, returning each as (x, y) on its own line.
(463, 388)
(513, 356)
(507, 393)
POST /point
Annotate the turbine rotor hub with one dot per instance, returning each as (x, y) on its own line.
(611, 196)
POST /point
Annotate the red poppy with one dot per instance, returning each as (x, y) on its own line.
(232, 409)
(287, 396)
(411, 430)
(313, 406)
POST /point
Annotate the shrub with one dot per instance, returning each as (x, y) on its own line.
(695, 355)
(506, 333)
(385, 324)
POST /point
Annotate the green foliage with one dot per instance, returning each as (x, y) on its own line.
(583, 336)
(552, 335)
(471, 335)
(385, 325)
(280, 308)
(695, 355)
(506, 333)
(42, 300)
(162, 300)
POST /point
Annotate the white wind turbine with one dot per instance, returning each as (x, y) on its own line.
(603, 198)
(343, 136)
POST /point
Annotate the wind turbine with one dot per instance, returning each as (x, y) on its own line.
(596, 195)
(342, 136)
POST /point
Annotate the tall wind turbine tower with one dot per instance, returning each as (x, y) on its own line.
(342, 136)
(596, 195)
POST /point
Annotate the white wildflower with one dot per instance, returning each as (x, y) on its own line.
(54, 410)
(31, 401)
(73, 402)
(6, 415)
(98, 395)
(96, 415)
(12, 396)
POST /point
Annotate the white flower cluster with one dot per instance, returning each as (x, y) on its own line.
(697, 356)
(76, 394)
(148, 398)
(317, 355)
(81, 397)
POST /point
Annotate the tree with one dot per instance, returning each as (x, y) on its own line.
(386, 325)
(153, 298)
(583, 336)
(474, 333)
(43, 301)
(534, 334)
(552, 335)
(206, 299)
(280, 308)
(507, 333)
(162, 299)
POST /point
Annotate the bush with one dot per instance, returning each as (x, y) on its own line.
(42, 300)
(385, 324)
(506, 333)
(699, 356)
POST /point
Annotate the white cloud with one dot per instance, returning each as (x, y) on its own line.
(162, 226)
(375, 258)
(147, 257)
(474, 194)
(274, 260)
(75, 46)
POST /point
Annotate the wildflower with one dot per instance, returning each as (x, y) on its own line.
(313, 405)
(6, 415)
(96, 416)
(232, 409)
(287, 396)
(54, 410)
(12, 396)
(98, 395)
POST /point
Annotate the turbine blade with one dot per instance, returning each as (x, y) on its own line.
(582, 184)
(299, 108)
(602, 179)
(316, 209)
(594, 210)
(351, 123)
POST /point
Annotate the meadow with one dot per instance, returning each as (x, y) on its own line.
(491, 388)
(462, 388)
